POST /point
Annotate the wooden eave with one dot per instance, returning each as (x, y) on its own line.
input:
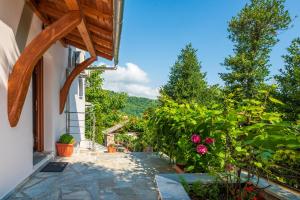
(86, 24)
(98, 16)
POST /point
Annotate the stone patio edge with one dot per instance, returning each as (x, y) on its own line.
(36, 169)
(170, 187)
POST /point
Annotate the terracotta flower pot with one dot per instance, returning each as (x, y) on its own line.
(64, 150)
(178, 169)
(111, 149)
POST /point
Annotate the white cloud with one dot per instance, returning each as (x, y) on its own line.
(130, 79)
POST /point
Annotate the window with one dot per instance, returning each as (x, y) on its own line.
(80, 87)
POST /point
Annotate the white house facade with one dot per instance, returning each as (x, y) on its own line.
(28, 140)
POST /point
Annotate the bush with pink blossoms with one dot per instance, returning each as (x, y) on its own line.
(178, 130)
(208, 139)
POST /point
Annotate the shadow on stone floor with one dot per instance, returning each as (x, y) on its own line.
(91, 175)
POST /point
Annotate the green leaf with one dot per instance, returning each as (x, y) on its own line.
(276, 101)
(238, 149)
(190, 168)
(258, 164)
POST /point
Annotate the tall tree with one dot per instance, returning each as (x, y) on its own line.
(289, 81)
(186, 81)
(254, 32)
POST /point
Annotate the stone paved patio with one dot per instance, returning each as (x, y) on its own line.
(91, 175)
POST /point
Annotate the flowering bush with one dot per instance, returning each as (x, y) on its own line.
(223, 138)
(187, 134)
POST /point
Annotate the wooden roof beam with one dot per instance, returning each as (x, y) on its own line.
(81, 46)
(98, 40)
(95, 14)
(101, 41)
(88, 11)
(65, 89)
(73, 5)
(97, 47)
(34, 8)
(19, 79)
(98, 31)
(104, 5)
(47, 9)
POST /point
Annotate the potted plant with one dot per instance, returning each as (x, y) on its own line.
(179, 167)
(111, 148)
(180, 163)
(65, 145)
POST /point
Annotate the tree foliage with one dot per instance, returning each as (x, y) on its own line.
(186, 81)
(106, 105)
(289, 82)
(254, 32)
(136, 106)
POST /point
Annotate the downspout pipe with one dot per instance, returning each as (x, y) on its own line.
(118, 22)
(102, 67)
(118, 10)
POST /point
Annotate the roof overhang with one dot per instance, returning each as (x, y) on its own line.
(91, 25)
(101, 28)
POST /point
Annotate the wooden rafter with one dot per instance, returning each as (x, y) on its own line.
(65, 89)
(100, 31)
(74, 5)
(81, 46)
(88, 11)
(86, 38)
(35, 9)
(95, 14)
(98, 17)
(103, 42)
(99, 4)
(80, 41)
(40, 15)
(19, 79)
(98, 40)
(49, 10)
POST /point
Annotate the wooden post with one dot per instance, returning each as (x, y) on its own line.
(19, 79)
(65, 89)
(74, 5)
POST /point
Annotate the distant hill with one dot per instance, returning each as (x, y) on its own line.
(135, 106)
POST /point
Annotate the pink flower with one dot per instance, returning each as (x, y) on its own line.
(195, 138)
(229, 167)
(209, 140)
(201, 149)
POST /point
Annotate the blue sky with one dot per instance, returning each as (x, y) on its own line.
(154, 31)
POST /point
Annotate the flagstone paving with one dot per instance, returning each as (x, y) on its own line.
(90, 175)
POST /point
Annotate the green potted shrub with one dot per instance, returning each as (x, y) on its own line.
(65, 145)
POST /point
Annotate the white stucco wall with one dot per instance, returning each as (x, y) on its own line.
(55, 63)
(10, 12)
(16, 144)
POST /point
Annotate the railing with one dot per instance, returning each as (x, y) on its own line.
(76, 126)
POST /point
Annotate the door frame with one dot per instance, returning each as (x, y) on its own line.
(38, 106)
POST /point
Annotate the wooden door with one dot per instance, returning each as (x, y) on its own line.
(38, 107)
